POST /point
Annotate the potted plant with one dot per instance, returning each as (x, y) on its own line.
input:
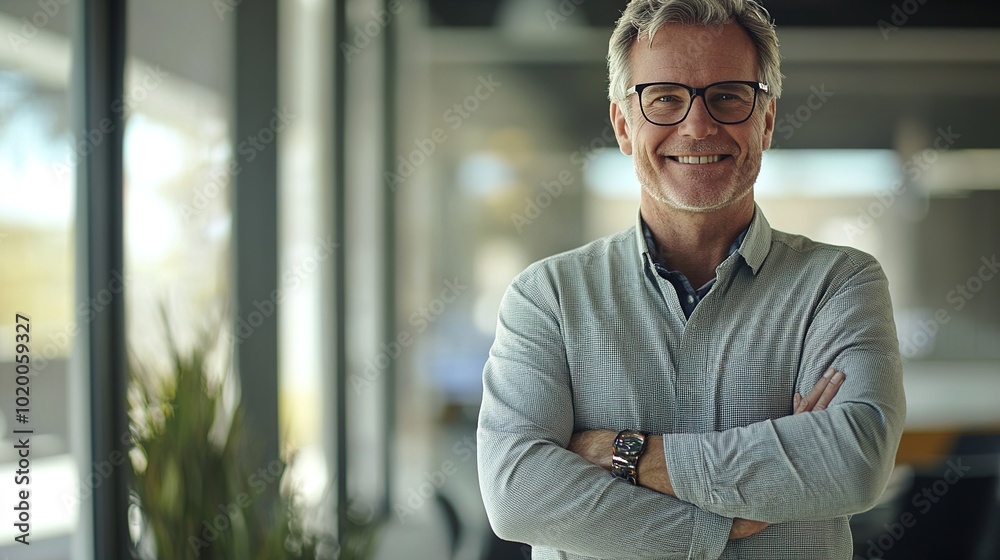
(199, 490)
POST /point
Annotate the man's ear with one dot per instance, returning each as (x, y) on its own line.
(769, 124)
(622, 130)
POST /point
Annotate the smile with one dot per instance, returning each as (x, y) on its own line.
(698, 159)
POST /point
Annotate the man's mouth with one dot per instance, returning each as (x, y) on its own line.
(698, 160)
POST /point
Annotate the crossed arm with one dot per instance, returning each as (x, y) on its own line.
(827, 463)
(596, 447)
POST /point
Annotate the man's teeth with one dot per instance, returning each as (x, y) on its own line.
(698, 159)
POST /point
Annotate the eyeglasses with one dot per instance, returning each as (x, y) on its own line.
(668, 103)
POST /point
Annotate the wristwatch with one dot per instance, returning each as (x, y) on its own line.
(628, 446)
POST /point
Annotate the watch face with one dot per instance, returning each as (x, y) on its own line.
(628, 447)
(630, 443)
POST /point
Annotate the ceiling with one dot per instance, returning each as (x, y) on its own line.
(941, 68)
(826, 13)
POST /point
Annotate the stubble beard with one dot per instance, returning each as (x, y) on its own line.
(657, 187)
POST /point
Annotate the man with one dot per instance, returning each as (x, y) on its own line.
(608, 358)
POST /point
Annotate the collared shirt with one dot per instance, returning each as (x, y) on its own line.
(595, 339)
(689, 297)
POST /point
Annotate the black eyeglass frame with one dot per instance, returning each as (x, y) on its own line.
(695, 92)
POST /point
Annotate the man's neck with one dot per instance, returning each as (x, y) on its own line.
(695, 243)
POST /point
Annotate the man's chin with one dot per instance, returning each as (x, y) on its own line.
(691, 202)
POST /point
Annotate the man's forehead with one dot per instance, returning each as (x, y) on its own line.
(694, 38)
(693, 30)
(673, 65)
(683, 48)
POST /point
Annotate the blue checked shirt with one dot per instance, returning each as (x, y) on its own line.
(595, 339)
(689, 297)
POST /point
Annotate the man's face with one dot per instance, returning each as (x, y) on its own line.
(696, 56)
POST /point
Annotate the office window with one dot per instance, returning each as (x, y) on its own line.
(37, 182)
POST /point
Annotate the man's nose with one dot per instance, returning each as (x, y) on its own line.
(698, 123)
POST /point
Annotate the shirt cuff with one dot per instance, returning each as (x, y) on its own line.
(709, 535)
(686, 467)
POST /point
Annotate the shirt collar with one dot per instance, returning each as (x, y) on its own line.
(754, 248)
(757, 243)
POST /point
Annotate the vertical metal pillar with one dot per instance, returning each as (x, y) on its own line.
(99, 81)
(256, 119)
(388, 253)
(339, 214)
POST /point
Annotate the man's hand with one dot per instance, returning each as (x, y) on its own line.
(745, 527)
(821, 395)
(596, 446)
(819, 398)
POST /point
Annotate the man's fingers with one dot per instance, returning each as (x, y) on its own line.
(810, 400)
(822, 393)
(743, 528)
(830, 391)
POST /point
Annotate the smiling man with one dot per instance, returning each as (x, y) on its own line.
(642, 398)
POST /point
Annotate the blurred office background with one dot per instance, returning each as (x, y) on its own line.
(346, 199)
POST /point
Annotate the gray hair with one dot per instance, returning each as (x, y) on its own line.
(643, 18)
